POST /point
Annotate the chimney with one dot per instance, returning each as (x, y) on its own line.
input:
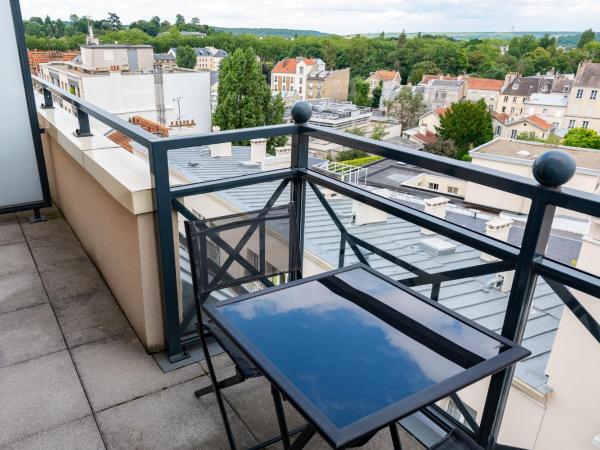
(436, 207)
(510, 76)
(423, 129)
(219, 150)
(499, 228)
(364, 214)
(258, 150)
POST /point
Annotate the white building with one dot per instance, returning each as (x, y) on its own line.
(289, 76)
(550, 107)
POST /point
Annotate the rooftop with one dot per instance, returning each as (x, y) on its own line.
(484, 84)
(288, 65)
(528, 151)
(386, 75)
(80, 378)
(588, 75)
(554, 99)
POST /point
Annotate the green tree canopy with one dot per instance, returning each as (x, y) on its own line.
(468, 124)
(582, 137)
(244, 97)
(377, 95)
(359, 92)
(586, 37)
(186, 57)
(406, 107)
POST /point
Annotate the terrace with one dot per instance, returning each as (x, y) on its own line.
(113, 359)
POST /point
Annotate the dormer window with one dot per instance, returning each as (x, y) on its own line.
(515, 85)
(544, 88)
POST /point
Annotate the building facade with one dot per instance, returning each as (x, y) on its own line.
(289, 77)
(550, 107)
(485, 89)
(331, 84)
(583, 109)
(207, 58)
(442, 93)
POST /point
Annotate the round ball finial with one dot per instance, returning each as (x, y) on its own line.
(554, 168)
(301, 112)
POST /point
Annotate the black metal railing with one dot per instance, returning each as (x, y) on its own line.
(528, 261)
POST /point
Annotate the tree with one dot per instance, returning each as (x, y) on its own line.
(114, 22)
(586, 37)
(406, 107)
(360, 92)
(244, 97)
(582, 137)
(378, 132)
(468, 124)
(529, 136)
(186, 57)
(421, 68)
(377, 95)
(442, 148)
(179, 20)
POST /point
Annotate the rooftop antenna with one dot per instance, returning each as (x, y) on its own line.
(178, 100)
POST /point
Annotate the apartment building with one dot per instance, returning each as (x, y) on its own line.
(166, 59)
(485, 89)
(289, 77)
(512, 128)
(517, 89)
(331, 84)
(207, 58)
(439, 93)
(165, 95)
(390, 81)
(583, 108)
(550, 107)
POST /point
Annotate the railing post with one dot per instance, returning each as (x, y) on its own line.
(84, 124)
(551, 170)
(301, 113)
(48, 101)
(159, 171)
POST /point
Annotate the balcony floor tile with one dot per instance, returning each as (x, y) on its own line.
(55, 253)
(28, 333)
(39, 395)
(118, 369)
(90, 317)
(10, 233)
(54, 227)
(71, 279)
(21, 290)
(15, 258)
(77, 435)
(171, 418)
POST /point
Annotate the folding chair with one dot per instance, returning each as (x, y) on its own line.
(232, 251)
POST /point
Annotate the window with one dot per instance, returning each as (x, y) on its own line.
(513, 134)
(585, 124)
(515, 86)
(579, 93)
(545, 111)
(594, 94)
(505, 98)
(434, 186)
(514, 99)
(301, 69)
(504, 109)
(498, 130)
(512, 110)
(452, 190)
(572, 123)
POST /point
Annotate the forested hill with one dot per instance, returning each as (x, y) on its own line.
(281, 32)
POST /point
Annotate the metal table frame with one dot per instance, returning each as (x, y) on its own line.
(388, 416)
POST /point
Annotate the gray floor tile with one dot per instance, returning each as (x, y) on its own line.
(10, 233)
(15, 258)
(21, 290)
(170, 419)
(81, 434)
(8, 218)
(118, 369)
(53, 227)
(56, 253)
(90, 317)
(39, 395)
(71, 279)
(28, 333)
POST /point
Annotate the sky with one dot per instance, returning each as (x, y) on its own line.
(345, 16)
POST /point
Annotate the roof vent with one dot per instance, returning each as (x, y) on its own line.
(192, 164)
(437, 246)
(523, 153)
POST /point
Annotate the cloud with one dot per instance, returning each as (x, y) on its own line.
(347, 16)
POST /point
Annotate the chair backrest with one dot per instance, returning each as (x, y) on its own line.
(240, 248)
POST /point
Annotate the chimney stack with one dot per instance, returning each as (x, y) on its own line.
(499, 228)
(219, 150)
(258, 150)
(364, 214)
(436, 207)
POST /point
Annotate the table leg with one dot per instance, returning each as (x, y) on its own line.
(303, 438)
(395, 436)
(283, 429)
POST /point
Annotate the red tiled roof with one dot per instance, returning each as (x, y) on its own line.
(427, 138)
(150, 125)
(440, 111)
(288, 65)
(539, 122)
(37, 57)
(502, 117)
(386, 75)
(120, 139)
(485, 84)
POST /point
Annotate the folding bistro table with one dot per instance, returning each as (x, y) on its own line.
(355, 351)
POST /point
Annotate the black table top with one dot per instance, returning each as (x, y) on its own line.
(354, 350)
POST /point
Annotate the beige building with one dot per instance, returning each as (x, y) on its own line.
(332, 84)
(583, 109)
(517, 157)
(207, 58)
(392, 77)
(442, 93)
(97, 58)
(517, 89)
(511, 129)
(550, 107)
(485, 89)
(289, 77)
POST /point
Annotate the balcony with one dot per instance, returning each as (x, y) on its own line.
(106, 278)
